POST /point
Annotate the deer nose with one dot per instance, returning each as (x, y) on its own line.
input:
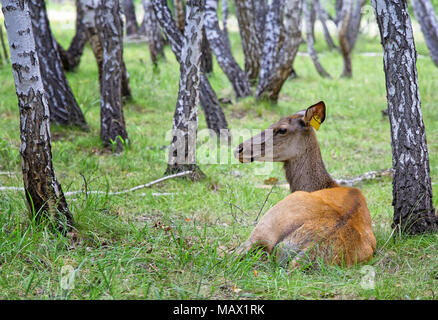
(238, 150)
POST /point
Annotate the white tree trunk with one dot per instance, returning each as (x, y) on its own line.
(425, 14)
(224, 57)
(277, 62)
(182, 151)
(214, 115)
(43, 192)
(412, 189)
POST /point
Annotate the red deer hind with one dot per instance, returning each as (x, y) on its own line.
(319, 219)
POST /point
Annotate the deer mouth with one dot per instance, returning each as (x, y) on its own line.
(241, 153)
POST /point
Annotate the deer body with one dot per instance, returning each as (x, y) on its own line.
(319, 219)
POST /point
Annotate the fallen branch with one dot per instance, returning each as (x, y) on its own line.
(147, 185)
(345, 182)
(366, 176)
(7, 173)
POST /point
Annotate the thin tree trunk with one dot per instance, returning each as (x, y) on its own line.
(179, 14)
(348, 31)
(90, 7)
(224, 57)
(43, 193)
(276, 68)
(412, 189)
(71, 57)
(63, 107)
(224, 4)
(347, 10)
(425, 14)
(214, 115)
(131, 19)
(110, 32)
(354, 26)
(260, 11)
(206, 57)
(322, 16)
(310, 40)
(153, 32)
(182, 151)
(338, 12)
(2, 40)
(271, 43)
(250, 41)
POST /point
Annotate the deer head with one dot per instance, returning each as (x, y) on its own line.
(285, 140)
(292, 140)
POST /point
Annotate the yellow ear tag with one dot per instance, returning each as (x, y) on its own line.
(315, 122)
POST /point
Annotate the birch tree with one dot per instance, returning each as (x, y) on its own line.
(214, 115)
(278, 56)
(43, 192)
(5, 51)
(71, 57)
(206, 56)
(412, 188)
(251, 43)
(153, 32)
(425, 14)
(310, 38)
(109, 28)
(224, 8)
(179, 14)
(349, 23)
(237, 77)
(63, 107)
(322, 16)
(130, 17)
(182, 151)
(90, 7)
(260, 11)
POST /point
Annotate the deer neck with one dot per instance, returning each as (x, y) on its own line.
(307, 172)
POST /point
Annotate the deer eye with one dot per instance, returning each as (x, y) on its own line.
(281, 131)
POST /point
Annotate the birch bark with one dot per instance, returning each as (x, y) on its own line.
(130, 17)
(71, 57)
(153, 32)
(236, 76)
(322, 16)
(90, 7)
(412, 189)
(43, 192)
(109, 28)
(214, 115)
(310, 39)
(425, 14)
(179, 14)
(182, 151)
(250, 40)
(277, 62)
(63, 107)
(348, 31)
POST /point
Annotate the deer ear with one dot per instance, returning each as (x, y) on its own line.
(315, 115)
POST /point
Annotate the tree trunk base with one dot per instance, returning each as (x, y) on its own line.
(425, 222)
(196, 175)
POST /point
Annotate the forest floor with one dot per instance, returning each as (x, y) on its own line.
(147, 246)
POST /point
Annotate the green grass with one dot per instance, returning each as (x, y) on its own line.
(175, 247)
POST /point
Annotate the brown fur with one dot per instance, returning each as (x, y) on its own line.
(319, 219)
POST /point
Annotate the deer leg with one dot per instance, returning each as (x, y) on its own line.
(285, 252)
(253, 243)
